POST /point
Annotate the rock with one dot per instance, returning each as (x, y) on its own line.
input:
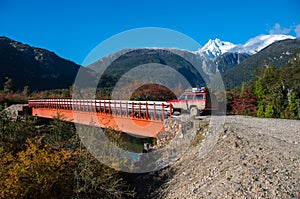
(16, 110)
(174, 128)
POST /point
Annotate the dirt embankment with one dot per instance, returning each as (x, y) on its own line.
(253, 158)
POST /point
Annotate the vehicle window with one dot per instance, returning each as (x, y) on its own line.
(182, 97)
(190, 97)
(199, 97)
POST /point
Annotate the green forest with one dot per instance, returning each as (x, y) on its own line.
(272, 93)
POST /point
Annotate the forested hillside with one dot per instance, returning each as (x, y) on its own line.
(273, 92)
(276, 55)
(37, 68)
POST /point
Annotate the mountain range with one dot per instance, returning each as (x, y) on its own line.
(215, 48)
(233, 61)
(41, 69)
(277, 54)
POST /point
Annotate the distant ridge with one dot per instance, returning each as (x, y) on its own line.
(277, 55)
(41, 69)
(37, 68)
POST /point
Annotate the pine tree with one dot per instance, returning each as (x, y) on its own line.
(269, 111)
(293, 106)
(260, 111)
(242, 89)
(26, 91)
(8, 86)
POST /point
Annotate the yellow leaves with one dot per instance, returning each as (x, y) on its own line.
(42, 167)
(33, 170)
(5, 160)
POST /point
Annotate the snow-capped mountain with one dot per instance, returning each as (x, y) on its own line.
(258, 43)
(215, 48)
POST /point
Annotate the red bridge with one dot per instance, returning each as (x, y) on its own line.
(143, 118)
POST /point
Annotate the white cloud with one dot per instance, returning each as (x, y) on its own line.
(277, 29)
(297, 30)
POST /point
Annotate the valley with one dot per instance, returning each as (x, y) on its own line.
(255, 153)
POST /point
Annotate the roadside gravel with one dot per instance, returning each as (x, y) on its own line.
(287, 130)
(253, 158)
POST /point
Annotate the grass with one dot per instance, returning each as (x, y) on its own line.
(199, 137)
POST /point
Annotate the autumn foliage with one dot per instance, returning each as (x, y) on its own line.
(47, 160)
(153, 92)
(244, 103)
(36, 172)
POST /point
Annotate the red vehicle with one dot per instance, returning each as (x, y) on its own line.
(196, 101)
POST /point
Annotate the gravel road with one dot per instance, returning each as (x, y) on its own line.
(253, 158)
(287, 130)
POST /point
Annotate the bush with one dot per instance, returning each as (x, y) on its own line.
(37, 172)
(260, 111)
(46, 161)
(244, 103)
(95, 180)
(13, 134)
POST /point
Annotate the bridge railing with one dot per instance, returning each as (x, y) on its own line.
(150, 110)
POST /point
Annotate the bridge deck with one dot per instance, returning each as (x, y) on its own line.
(141, 118)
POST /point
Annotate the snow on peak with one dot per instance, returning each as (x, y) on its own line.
(259, 42)
(216, 47)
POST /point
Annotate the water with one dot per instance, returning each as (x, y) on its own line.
(135, 144)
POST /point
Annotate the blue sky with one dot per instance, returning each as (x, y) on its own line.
(72, 29)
